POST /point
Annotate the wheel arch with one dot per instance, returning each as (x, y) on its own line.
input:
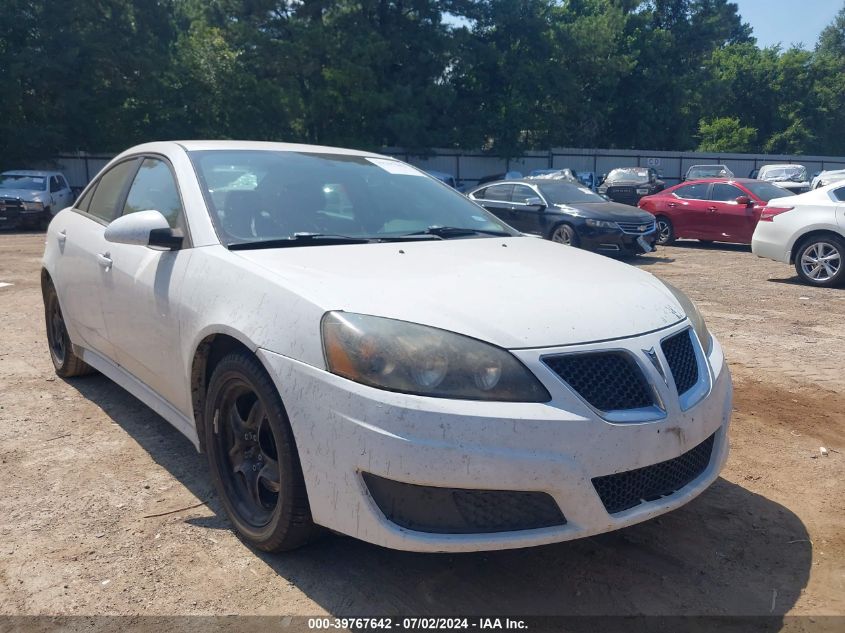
(809, 235)
(207, 353)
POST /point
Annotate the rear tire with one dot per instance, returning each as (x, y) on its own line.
(820, 261)
(253, 458)
(65, 361)
(665, 231)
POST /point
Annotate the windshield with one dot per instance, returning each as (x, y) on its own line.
(268, 195)
(628, 174)
(786, 172)
(709, 171)
(565, 193)
(766, 191)
(21, 181)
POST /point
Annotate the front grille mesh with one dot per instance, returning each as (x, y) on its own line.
(622, 491)
(637, 227)
(462, 511)
(610, 381)
(681, 358)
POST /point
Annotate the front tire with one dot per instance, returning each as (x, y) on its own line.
(253, 457)
(665, 231)
(820, 261)
(65, 361)
(564, 234)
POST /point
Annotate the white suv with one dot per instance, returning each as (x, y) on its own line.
(807, 230)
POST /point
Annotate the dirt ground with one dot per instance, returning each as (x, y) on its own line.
(85, 469)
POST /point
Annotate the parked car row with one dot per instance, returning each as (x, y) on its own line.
(807, 230)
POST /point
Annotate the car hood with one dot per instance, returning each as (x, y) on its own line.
(613, 211)
(513, 292)
(23, 194)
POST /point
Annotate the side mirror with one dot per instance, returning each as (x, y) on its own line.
(744, 200)
(535, 202)
(144, 228)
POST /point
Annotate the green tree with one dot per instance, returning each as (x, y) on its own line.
(725, 135)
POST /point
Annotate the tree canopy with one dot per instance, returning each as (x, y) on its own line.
(500, 75)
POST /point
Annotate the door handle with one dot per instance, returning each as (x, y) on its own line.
(62, 237)
(711, 209)
(104, 260)
(672, 205)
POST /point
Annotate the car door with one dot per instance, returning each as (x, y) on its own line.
(687, 207)
(60, 195)
(496, 199)
(526, 217)
(729, 220)
(141, 295)
(82, 268)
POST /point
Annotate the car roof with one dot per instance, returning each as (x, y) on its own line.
(527, 181)
(30, 172)
(200, 145)
(741, 181)
(782, 165)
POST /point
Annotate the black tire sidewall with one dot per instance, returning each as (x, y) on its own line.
(248, 369)
(51, 302)
(836, 280)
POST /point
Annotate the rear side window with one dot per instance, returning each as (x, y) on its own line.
(499, 193)
(693, 192)
(839, 194)
(155, 189)
(109, 191)
(725, 193)
(84, 201)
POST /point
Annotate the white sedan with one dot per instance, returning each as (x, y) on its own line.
(808, 231)
(355, 345)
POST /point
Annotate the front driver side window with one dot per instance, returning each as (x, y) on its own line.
(155, 189)
(109, 190)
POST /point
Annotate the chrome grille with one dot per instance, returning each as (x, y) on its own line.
(680, 355)
(609, 381)
(637, 228)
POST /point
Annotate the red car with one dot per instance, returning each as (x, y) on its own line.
(711, 210)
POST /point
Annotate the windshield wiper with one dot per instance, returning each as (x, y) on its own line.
(324, 239)
(445, 232)
(299, 239)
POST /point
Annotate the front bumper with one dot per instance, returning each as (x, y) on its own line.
(346, 431)
(609, 241)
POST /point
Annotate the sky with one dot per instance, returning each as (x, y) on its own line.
(788, 21)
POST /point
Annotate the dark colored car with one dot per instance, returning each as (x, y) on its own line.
(712, 210)
(569, 213)
(628, 184)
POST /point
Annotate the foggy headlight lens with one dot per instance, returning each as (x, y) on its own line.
(603, 224)
(33, 206)
(694, 316)
(411, 358)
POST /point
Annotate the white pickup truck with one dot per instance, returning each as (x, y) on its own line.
(30, 199)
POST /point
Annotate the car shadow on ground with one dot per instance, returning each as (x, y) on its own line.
(646, 260)
(728, 552)
(711, 246)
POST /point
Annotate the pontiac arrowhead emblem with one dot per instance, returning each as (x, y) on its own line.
(652, 356)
